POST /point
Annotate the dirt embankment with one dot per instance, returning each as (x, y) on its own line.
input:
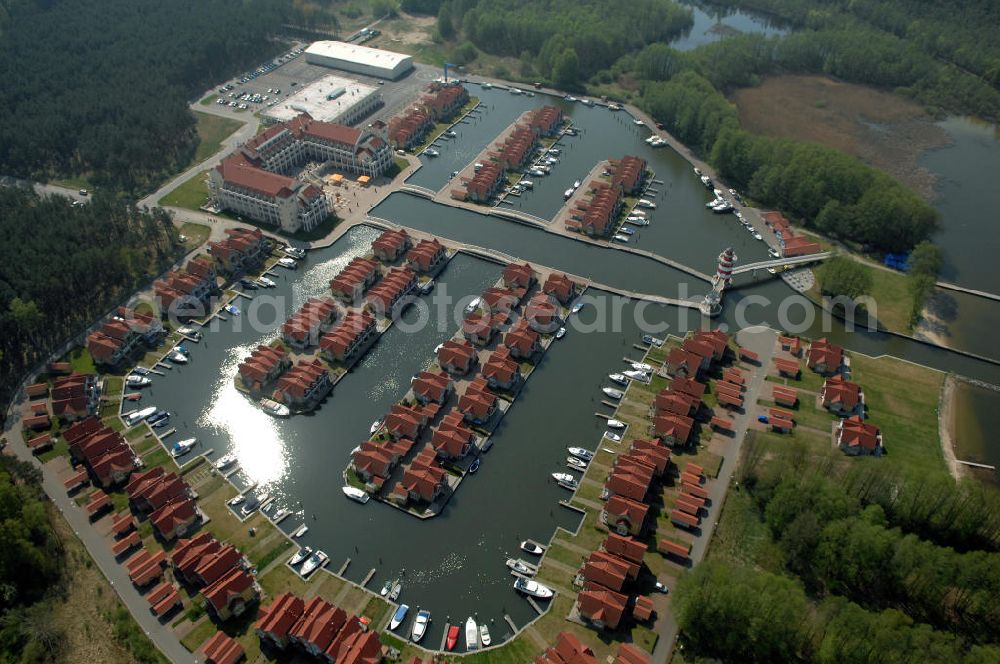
(946, 427)
(885, 130)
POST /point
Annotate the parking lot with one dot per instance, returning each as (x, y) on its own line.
(278, 81)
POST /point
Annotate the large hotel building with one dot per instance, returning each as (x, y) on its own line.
(253, 181)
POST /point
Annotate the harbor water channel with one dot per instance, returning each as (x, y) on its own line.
(453, 565)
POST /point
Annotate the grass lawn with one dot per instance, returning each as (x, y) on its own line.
(902, 400)
(191, 194)
(208, 100)
(892, 297)
(81, 361)
(196, 234)
(59, 448)
(158, 457)
(212, 130)
(198, 635)
(75, 182)
(113, 384)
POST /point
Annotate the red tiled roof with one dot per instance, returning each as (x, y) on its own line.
(222, 649)
(279, 617)
(602, 604)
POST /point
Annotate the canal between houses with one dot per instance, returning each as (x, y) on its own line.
(454, 564)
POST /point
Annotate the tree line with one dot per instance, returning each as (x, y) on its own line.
(860, 564)
(65, 265)
(100, 88)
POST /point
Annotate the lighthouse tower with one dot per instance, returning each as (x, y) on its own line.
(712, 304)
(724, 273)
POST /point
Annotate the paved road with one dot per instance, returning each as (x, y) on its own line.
(760, 340)
(161, 635)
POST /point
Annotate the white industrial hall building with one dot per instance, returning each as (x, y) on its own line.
(330, 99)
(363, 60)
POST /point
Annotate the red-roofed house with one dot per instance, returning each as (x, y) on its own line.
(175, 518)
(478, 328)
(263, 366)
(519, 277)
(424, 480)
(231, 594)
(351, 283)
(627, 548)
(389, 295)
(477, 404)
(673, 430)
(360, 647)
(347, 340)
(427, 257)
(561, 287)
(856, 437)
(390, 245)
(624, 516)
(842, 397)
(278, 618)
(602, 608)
(542, 313)
(522, 341)
(606, 570)
(500, 370)
(628, 653)
(568, 649)
(305, 326)
(456, 357)
(453, 440)
(824, 357)
(242, 249)
(304, 385)
(683, 363)
(429, 386)
(785, 396)
(405, 421)
(222, 649)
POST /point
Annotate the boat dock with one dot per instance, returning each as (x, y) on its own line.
(154, 371)
(510, 623)
(534, 605)
(609, 404)
(167, 433)
(444, 636)
(974, 464)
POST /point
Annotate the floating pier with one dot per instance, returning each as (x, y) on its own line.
(510, 623)
(534, 605)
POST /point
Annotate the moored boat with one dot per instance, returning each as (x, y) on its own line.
(581, 453)
(133, 396)
(137, 381)
(265, 282)
(616, 424)
(532, 547)
(420, 625)
(642, 366)
(431, 152)
(521, 566)
(356, 494)
(612, 436)
(225, 461)
(572, 484)
(300, 555)
(563, 477)
(397, 588)
(620, 238)
(484, 635)
(475, 465)
(288, 262)
(560, 333)
(272, 407)
(576, 462)
(471, 634)
(182, 447)
(618, 378)
(377, 424)
(567, 194)
(452, 639)
(533, 588)
(313, 562)
(190, 333)
(232, 309)
(399, 616)
(612, 392)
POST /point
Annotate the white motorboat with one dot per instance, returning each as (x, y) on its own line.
(431, 152)
(625, 230)
(300, 555)
(642, 376)
(532, 547)
(533, 588)
(137, 381)
(484, 635)
(397, 588)
(281, 515)
(313, 562)
(637, 221)
(569, 98)
(237, 500)
(295, 252)
(646, 203)
(265, 282)
(567, 194)
(618, 378)
(560, 333)
(527, 184)
(576, 184)
(471, 634)
(536, 172)
(399, 616)
(697, 171)
(356, 494)
(642, 366)
(707, 181)
(758, 236)
(225, 461)
(616, 424)
(190, 333)
(563, 477)
(773, 253)
(475, 465)
(232, 309)
(638, 123)
(651, 340)
(576, 463)
(521, 567)
(137, 416)
(572, 484)
(386, 587)
(177, 357)
(620, 238)
(287, 262)
(300, 531)
(420, 625)
(450, 133)
(272, 407)
(182, 447)
(612, 436)
(581, 453)
(612, 392)
(638, 213)
(377, 424)
(614, 107)
(658, 142)
(576, 308)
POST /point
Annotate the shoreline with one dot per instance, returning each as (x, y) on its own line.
(946, 427)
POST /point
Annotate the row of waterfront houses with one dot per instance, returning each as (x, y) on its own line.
(596, 214)
(440, 104)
